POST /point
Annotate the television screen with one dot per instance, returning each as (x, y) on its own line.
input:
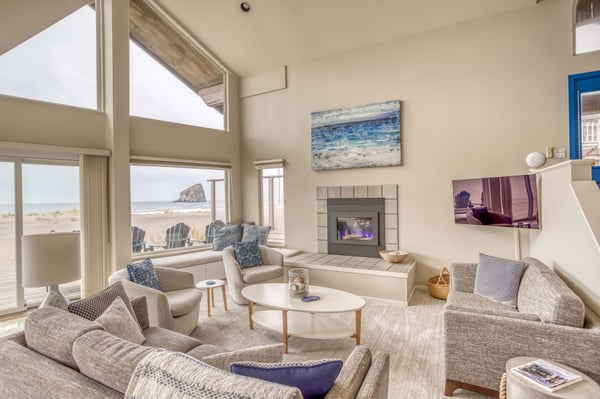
(508, 201)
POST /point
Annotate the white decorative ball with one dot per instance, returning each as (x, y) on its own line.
(535, 159)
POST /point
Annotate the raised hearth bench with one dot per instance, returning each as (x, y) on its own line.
(369, 277)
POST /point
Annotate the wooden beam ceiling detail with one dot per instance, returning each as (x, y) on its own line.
(176, 53)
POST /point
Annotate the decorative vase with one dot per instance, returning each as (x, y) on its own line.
(298, 283)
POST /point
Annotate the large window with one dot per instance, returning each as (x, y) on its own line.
(587, 26)
(273, 204)
(171, 79)
(35, 198)
(57, 65)
(172, 205)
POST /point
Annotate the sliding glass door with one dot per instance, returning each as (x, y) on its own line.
(35, 197)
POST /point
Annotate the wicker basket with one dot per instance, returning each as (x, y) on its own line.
(439, 285)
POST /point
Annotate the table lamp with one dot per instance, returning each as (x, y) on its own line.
(48, 260)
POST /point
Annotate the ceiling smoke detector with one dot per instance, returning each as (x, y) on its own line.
(245, 6)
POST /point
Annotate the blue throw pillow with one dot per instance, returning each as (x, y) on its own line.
(143, 273)
(226, 235)
(252, 232)
(313, 378)
(247, 254)
(499, 279)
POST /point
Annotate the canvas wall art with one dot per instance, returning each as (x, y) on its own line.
(356, 137)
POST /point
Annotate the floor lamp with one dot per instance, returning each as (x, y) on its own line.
(49, 260)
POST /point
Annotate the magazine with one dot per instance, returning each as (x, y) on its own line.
(546, 375)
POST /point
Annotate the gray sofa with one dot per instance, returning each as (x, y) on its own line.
(61, 355)
(481, 335)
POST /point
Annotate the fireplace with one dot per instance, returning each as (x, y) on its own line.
(355, 226)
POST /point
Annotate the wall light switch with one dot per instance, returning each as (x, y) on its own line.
(560, 152)
(549, 152)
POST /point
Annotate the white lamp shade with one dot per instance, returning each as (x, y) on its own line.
(50, 259)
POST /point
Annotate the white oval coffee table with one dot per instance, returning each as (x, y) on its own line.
(304, 319)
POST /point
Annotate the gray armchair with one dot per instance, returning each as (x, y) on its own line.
(176, 308)
(237, 278)
(481, 335)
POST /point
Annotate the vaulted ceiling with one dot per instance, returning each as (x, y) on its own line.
(284, 32)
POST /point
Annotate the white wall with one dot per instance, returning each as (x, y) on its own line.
(476, 98)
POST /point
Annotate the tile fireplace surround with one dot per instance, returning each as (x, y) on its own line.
(387, 191)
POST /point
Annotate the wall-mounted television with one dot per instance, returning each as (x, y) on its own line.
(506, 201)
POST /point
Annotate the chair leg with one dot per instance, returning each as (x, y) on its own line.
(452, 385)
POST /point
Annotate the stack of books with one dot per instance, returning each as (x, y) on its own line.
(546, 375)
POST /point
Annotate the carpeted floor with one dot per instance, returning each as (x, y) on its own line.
(411, 334)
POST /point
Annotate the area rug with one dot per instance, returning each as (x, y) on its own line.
(412, 335)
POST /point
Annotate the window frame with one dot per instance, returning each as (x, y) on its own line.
(188, 164)
(261, 166)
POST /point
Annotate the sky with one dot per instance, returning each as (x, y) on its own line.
(59, 65)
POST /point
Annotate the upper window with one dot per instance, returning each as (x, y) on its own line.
(587, 26)
(171, 206)
(170, 78)
(57, 65)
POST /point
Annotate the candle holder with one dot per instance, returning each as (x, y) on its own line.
(298, 283)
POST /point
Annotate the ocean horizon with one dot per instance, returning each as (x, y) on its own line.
(137, 207)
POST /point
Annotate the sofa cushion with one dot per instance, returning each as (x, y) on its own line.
(261, 273)
(188, 376)
(143, 273)
(468, 302)
(118, 321)
(247, 254)
(498, 279)
(51, 331)
(542, 292)
(93, 306)
(108, 359)
(261, 354)
(188, 260)
(314, 378)
(226, 235)
(183, 301)
(251, 232)
(205, 350)
(353, 373)
(158, 337)
(27, 374)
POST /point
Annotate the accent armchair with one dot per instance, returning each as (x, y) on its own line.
(271, 271)
(176, 307)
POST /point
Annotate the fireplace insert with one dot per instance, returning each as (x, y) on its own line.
(355, 226)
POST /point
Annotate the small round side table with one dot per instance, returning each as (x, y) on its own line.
(209, 286)
(519, 388)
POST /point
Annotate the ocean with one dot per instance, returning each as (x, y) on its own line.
(137, 207)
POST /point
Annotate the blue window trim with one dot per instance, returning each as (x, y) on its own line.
(580, 83)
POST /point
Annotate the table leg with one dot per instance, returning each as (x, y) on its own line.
(224, 296)
(208, 290)
(250, 315)
(285, 328)
(212, 296)
(357, 333)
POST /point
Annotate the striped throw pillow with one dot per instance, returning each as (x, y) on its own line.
(498, 279)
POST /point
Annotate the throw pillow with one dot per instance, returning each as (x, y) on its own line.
(498, 279)
(247, 254)
(252, 232)
(313, 378)
(226, 235)
(143, 273)
(117, 320)
(93, 306)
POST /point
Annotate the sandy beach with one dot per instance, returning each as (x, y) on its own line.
(155, 226)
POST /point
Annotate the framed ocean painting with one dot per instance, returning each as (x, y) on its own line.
(356, 137)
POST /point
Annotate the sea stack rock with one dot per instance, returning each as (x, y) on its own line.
(193, 193)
